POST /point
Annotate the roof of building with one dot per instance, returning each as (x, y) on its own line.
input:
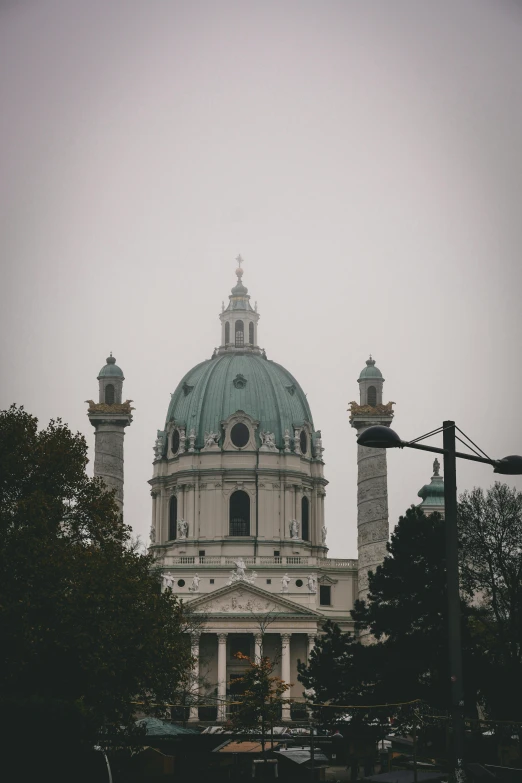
(370, 371)
(111, 369)
(213, 390)
(162, 728)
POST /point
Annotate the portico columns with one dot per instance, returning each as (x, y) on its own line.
(285, 671)
(311, 644)
(222, 676)
(258, 647)
(194, 686)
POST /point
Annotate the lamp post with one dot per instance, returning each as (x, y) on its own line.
(384, 438)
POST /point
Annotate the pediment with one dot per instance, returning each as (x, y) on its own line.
(242, 598)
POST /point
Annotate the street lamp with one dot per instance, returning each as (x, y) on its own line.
(384, 438)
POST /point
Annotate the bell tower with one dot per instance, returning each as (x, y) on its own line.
(372, 478)
(109, 417)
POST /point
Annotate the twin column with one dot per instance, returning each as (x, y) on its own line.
(222, 670)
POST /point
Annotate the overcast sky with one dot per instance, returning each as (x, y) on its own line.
(364, 158)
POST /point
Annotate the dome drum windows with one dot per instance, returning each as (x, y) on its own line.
(175, 442)
(302, 440)
(251, 333)
(173, 518)
(305, 519)
(239, 431)
(239, 513)
(240, 435)
(227, 333)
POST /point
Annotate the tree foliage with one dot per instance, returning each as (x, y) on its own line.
(406, 613)
(490, 529)
(85, 628)
(262, 696)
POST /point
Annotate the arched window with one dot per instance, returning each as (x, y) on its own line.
(303, 442)
(227, 333)
(251, 333)
(239, 514)
(240, 333)
(305, 519)
(109, 394)
(173, 518)
(372, 396)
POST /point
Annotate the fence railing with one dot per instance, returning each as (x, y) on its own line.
(290, 560)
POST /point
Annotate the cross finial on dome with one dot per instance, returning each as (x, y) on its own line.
(370, 362)
(239, 270)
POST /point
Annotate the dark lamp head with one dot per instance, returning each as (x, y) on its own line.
(509, 466)
(379, 437)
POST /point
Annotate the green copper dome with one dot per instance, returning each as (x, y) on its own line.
(432, 494)
(370, 371)
(111, 369)
(218, 387)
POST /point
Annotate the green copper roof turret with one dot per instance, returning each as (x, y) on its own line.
(111, 369)
(370, 371)
(432, 494)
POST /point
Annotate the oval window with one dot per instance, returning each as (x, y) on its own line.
(299, 582)
(175, 441)
(181, 583)
(240, 435)
(303, 442)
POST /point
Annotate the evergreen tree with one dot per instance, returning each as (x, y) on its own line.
(86, 631)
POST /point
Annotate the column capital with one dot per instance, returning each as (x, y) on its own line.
(222, 638)
(258, 638)
(312, 637)
(285, 638)
(194, 636)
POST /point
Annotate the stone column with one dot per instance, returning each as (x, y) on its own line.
(160, 528)
(194, 685)
(311, 644)
(372, 513)
(298, 496)
(190, 508)
(157, 533)
(181, 502)
(196, 509)
(285, 671)
(258, 647)
(222, 677)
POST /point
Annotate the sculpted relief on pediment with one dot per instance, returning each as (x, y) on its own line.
(238, 602)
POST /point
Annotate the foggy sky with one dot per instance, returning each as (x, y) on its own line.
(365, 160)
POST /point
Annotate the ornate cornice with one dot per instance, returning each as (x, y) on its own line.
(371, 410)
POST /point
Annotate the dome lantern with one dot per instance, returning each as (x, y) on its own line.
(239, 319)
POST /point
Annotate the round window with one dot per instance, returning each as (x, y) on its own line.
(299, 582)
(175, 441)
(240, 435)
(303, 442)
(181, 583)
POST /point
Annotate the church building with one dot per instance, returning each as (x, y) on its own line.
(238, 524)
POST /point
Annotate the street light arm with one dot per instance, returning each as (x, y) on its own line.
(459, 454)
